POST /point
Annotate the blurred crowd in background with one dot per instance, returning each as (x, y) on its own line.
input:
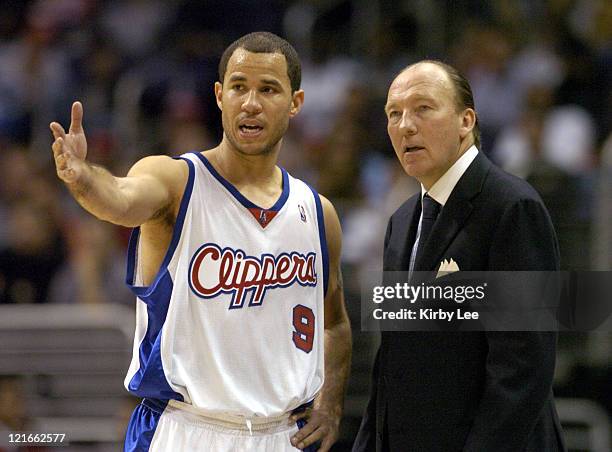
(144, 70)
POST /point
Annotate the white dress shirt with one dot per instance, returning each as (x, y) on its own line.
(441, 190)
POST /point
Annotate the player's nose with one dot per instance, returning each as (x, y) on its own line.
(251, 102)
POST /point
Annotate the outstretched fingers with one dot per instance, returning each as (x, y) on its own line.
(61, 159)
(57, 130)
(57, 146)
(76, 118)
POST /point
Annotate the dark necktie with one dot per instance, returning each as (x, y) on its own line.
(431, 209)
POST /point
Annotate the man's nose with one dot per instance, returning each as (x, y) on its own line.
(407, 124)
(251, 102)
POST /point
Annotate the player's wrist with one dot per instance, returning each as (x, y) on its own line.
(333, 409)
(81, 179)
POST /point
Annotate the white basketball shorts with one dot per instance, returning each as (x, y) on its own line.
(162, 426)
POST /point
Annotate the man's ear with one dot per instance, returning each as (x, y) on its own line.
(468, 121)
(296, 103)
(219, 94)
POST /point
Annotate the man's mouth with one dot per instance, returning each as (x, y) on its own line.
(413, 148)
(251, 129)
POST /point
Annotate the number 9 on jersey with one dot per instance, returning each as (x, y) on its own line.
(304, 327)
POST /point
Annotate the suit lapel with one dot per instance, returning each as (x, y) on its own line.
(454, 213)
(404, 232)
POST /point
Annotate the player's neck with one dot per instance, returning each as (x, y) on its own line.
(242, 169)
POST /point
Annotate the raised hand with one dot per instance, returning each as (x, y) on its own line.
(70, 149)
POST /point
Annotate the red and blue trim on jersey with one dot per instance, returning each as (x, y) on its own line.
(150, 379)
(253, 208)
(263, 216)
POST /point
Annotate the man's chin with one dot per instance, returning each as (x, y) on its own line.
(412, 170)
(253, 150)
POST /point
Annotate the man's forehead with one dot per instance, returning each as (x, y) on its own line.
(269, 63)
(420, 77)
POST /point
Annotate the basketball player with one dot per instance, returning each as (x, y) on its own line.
(242, 340)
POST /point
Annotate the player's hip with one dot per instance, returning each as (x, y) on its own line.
(160, 426)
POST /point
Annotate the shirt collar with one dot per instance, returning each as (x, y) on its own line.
(442, 189)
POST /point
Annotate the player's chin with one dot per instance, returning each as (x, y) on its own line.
(254, 149)
(251, 142)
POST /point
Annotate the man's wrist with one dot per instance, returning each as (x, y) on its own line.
(82, 185)
(333, 409)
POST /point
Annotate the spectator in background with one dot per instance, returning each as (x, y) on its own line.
(95, 270)
(519, 150)
(32, 249)
(496, 91)
(602, 230)
(33, 255)
(13, 415)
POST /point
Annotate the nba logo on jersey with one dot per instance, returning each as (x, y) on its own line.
(302, 213)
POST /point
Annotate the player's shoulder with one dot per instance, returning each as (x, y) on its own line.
(330, 215)
(172, 172)
(158, 164)
(326, 204)
(328, 208)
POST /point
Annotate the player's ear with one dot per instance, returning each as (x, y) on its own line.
(296, 103)
(219, 94)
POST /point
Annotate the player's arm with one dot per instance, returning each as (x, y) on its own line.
(324, 419)
(146, 192)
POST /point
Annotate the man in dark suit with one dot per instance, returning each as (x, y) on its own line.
(460, 391)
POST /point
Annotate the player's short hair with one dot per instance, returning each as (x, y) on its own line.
(265, 42)
(463, 92)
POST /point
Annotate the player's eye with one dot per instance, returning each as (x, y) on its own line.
(393, 114)
(423, 107)
(238, 87)
(268, 90)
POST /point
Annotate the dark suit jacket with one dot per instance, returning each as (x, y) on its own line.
(468, 391)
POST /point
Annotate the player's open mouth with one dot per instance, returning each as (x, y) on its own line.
(250, 129)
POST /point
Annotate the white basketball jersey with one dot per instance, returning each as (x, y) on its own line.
(233, 321)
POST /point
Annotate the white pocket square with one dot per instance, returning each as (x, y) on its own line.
(447, 267)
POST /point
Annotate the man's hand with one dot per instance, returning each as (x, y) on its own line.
(321, 426)
(70, 149)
